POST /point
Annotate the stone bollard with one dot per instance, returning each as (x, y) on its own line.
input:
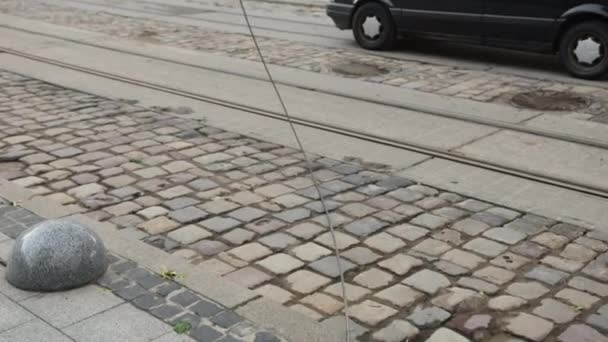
(56, 255)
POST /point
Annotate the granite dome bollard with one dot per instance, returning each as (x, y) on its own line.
(56, 255)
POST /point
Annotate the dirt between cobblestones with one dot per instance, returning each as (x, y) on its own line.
(416, 257)
(477, 85)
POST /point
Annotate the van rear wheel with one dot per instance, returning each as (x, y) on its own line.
(373, 27)
(584, 50)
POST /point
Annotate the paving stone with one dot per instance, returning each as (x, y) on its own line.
(218, 206)
(408, 210)
(428, 317)
(247, 214)
(353, 292)
(600, 319)
(529, 326)
(209, 247)
(359, 255)
(219, 224)
(451, 212)
(174, 192)
(505, 303)
(371, 312)
(562, 264)
(450, 268)
(238, 236)
(510, 261)
(189, 234)
(86, 190)
(430, 221)
(598, 268)
(381, 202)
(408, 232)
(398, 330)
(546, 275)
(452, 297)
(188, 215)
(505, 235)
(450, 236)
(280, 263)
(203, 184)
(123, 208)
(470, 226)
(577, 298)
(406, 195)
(335, 218)
(527, 290)
(478, 284)
(384, 242)
(431, 203)
(305, 230)
(399, 264)
(489, 218)
(305, 281)
(317, 206)
(581, 333)
(150, 172)
(578, 252)
(323, 303)
(343, 241)
(148, 301)
(152, 212)
(250, 252)
(432, 247)
(588, 285)
(248, 277)
(593, 244)
(365, 227)
(444, 335)
(399, 295)
(329, 266)
(530, 249)
(568, 230)
(290, 200)
(551, 240)
(427, 281)
(275, 293)
(373, 278)
(158, 225)
(462, 258)
(495, 275)
(556, 311)
(357, 210)
(119, 181)
(474, 205)
(278, 241)
(486, 247)
(478, 322)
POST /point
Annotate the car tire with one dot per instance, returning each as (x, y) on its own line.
(583, 50)
(377, 34)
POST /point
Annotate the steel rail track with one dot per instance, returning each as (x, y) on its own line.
(581, 187)
(405, 106)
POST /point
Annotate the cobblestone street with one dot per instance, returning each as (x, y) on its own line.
(421, 264)
(461, 82)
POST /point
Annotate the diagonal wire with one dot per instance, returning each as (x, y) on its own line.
(310, 170)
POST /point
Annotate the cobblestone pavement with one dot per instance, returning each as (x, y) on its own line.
(416, 257)
(126, 304)
(478, 85)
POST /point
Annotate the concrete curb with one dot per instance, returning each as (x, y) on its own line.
(270, 315)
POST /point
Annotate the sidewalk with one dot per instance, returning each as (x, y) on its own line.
(129, 303)
(417, 258)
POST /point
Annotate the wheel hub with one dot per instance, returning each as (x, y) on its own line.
(588, 51)
(372, 27)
